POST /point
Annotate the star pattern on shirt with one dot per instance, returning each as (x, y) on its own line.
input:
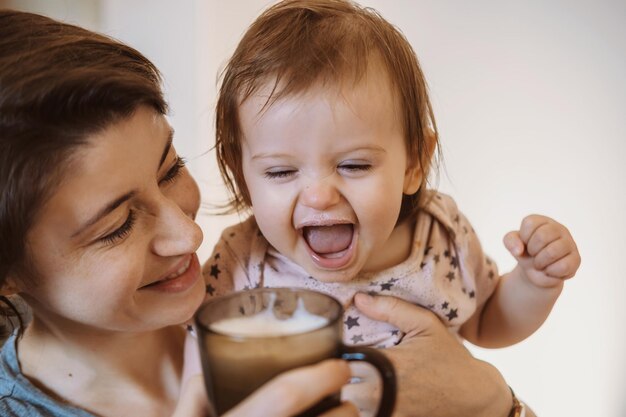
(440, 255)
(210, 289)
(386, 286)
(352, 322)
(215, 271)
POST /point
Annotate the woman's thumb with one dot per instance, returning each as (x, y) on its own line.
(407, 317)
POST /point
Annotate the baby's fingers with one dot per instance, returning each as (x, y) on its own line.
(543, 236)
(558, 259)
(564, 268)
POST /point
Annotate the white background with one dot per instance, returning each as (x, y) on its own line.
(530, 100)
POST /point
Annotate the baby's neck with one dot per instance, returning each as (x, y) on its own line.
(395, 251)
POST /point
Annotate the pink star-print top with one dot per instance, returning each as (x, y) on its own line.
(446, 272)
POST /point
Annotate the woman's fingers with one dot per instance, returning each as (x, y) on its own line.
(346, 409)
(295, 391)
(193, 400)
(407, 317)
(191, 361)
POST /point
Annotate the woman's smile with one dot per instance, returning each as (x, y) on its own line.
(181, 279)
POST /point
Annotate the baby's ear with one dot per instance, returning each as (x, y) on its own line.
(413, 174)
(412, 179)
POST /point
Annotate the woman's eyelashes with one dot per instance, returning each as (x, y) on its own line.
(174, 171)
(124, 230)
(121, 232)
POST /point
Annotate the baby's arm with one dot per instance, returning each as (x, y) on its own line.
(547, 255)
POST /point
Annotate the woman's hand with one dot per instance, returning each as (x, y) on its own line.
(284, 396)
(297, 390)
(437, 376)
(193, 399)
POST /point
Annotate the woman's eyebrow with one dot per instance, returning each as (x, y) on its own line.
(168, 145)
(127, 196)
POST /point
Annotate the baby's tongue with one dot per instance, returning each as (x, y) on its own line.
(328, 239)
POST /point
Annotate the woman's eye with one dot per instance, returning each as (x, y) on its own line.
(121, 232)
(279, 173)
(174, 171)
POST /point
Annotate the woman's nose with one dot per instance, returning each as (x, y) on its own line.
(176, 231)
(320, 194)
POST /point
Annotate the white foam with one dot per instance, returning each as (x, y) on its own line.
(265, 323)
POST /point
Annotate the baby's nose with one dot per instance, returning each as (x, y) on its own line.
(319, 194)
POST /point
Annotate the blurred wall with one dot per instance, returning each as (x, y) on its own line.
(529, 98)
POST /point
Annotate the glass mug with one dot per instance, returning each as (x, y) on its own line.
(235, 365)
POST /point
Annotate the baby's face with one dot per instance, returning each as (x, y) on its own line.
(326, 171)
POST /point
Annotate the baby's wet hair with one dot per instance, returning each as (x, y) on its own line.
(297, 44)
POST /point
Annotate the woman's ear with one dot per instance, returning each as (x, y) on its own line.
(9, 287)
(413, 174)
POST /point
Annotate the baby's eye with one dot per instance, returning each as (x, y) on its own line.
(279, 173)
(355, 167)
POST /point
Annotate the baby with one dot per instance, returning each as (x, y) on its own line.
(326, 133)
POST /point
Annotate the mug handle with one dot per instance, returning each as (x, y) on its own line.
(384, 368)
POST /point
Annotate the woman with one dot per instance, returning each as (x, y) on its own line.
(97, 235)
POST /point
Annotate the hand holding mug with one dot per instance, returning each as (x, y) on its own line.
(437, 375)
(238, 360)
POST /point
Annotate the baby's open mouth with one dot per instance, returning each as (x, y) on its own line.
(329, 241)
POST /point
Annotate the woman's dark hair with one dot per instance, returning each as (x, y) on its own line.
(59, 84)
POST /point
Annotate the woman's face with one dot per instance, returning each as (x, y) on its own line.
(114, 248)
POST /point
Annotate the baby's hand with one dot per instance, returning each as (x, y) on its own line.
(544, 249)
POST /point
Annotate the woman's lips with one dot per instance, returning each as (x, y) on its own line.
(180, 280)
